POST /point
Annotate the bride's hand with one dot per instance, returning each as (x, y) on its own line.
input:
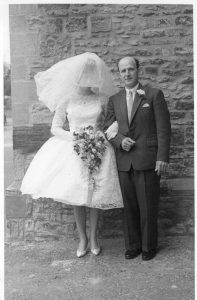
(112, 130)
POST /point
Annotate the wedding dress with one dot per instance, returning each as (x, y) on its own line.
(58, 172)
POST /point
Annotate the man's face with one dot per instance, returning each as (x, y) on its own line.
(128, 71)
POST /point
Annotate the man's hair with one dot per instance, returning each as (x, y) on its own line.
(136, 61)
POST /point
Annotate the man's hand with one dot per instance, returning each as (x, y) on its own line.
(161, 167)
(127, 144)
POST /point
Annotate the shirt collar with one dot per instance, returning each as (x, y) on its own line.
(133, 90)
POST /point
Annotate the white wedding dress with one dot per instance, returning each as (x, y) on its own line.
(58, 172)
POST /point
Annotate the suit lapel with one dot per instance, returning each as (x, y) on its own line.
(123, 106)
(136, 103)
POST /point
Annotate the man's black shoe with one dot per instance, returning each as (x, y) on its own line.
(130, 254)
(147, 255)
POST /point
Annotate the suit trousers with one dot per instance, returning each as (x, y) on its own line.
(141, 192)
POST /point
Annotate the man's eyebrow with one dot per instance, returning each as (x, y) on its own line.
(127, 68)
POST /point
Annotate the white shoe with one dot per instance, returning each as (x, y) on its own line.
(96, 251)
(81, 253)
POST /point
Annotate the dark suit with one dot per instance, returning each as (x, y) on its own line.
(150, 129)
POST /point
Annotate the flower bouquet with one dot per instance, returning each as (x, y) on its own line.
(90, 146)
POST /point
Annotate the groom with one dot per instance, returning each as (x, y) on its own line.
(142, 153)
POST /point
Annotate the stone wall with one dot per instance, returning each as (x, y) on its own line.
(161, 37)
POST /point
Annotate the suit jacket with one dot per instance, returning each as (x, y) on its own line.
(149, 127)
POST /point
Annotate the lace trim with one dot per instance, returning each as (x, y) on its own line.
(98, 205)
(85, 99)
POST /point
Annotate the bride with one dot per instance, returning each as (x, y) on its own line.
(77, 89)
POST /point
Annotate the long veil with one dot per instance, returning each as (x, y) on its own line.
(58, 83)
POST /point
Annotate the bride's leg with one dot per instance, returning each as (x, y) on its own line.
(94, 217)
(80, 218)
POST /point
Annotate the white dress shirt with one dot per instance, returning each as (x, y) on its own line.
(130, 96)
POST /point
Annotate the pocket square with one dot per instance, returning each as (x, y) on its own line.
(146, 105)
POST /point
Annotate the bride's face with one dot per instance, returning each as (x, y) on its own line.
(87, 90)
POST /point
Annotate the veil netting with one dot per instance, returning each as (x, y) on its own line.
(59, 82)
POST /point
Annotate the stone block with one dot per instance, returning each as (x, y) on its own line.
(23, 92)
(21, 114)
(173, 72)
(183, 95)
(176, 151)
(41, 114)
(29, 225)
(18, 170)
(8, 230)
(39, 226)
(174, 115)
(22, 9)
(69, 228)
(151, 70)
(55, 45)
(54, 26)
(142, 52)
(55, 217)
(38, 207)
(108, 9)
(55, 10)
(166, 52)
(163, 22)
(35, 22)
(41, 217)
(188, 11)
(13, 225)
(189, 135)
(24, 45)
(14, 9)
(191, 230)
(100, 23)
(187, 80)
(169, 10)
(184, 105)
(67, 218)
(163, 79)
(29, 236)
(165, 223)
(157, 61)
(17, 24)
(183, 51)
(76, 22)
(184, 20)
(153, 33)
(178, 32)
(20, 70)
(179, 229)
(30, 139)
(177, 136)
(15, 206)
(29, 206)
(157, 22)
(35, 65)
(182, 184)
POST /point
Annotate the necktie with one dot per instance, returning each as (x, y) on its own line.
(130, 104)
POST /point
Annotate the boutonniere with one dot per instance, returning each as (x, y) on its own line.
(140, 92)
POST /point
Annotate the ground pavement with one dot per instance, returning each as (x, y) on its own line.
(51, 271)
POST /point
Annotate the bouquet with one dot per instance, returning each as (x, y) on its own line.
(90, 146)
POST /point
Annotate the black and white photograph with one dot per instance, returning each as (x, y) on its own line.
(98, 136)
